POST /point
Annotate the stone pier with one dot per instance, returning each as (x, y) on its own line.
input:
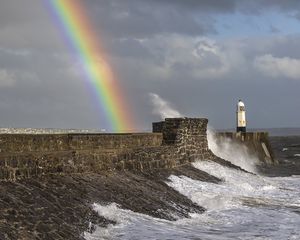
(181, 140)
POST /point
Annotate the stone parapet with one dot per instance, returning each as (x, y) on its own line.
(175, 142)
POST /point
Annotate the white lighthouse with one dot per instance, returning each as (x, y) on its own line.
(241, 117)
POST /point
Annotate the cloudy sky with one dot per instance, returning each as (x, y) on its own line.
(200, 56)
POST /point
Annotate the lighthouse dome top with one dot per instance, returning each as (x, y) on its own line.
(241, 104)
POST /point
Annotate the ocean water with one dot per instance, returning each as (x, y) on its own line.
(243, 206)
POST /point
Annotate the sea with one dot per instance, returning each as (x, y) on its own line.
(252, 205)
(243, 206)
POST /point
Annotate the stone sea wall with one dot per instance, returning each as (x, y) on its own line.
(49, 182)
(177, 142)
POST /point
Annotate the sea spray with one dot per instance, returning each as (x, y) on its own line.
(243, 206)
(234, 152)
(132, 225)
(163, 108)
(229, 194)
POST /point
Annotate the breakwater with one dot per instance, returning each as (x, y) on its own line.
(50, 181)
(181, 140)
(174, 142)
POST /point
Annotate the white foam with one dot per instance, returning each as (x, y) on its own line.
(203, 193)
(237, 188)
(232, 151)
(131, 225)
(242, 206)
(233, 209)
(240, 184)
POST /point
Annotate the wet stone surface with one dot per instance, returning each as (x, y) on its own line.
(60, 206)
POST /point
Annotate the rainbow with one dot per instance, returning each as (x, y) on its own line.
(78, 34)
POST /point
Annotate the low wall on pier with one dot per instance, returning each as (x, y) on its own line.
(180, 140)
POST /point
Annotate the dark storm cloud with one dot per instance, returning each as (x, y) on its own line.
(45, 93)
(202, 5)
(260, 5)
(230, 6)
(145, 18)
(297, 15)
(158, 46)
(26, 25)
(209, 83)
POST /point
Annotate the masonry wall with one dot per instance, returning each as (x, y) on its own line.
(178, 141)
(27, 155)
(184, 141)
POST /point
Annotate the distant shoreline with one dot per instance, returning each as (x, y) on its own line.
(272, 131)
